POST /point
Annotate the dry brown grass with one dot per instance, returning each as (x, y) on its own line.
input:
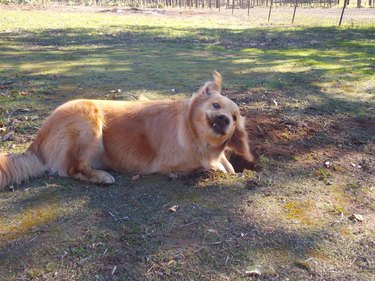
(308, 97)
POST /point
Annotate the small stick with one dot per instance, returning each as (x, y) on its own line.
(32, 239)
(114, 269)
(112, 215)
(151, 268)
(188, 224)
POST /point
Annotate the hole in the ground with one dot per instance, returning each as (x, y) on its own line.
(240, 164)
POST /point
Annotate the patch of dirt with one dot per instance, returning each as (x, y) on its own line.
(275, 136)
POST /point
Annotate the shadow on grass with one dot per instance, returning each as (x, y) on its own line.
(126, 231)
(147, 58)
(129, 226)
(310, 64)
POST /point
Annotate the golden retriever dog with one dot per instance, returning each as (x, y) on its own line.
(82, 138)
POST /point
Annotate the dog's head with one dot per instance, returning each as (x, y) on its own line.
(216, 120)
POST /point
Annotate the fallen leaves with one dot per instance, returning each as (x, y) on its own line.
(354, 165)
(253, 271)
(24, 93)
(328, 164)
(2, 129)
(258, 270)
(356, 218)
(136, 177)
(173, 208)
(7, 91)
(114, 95)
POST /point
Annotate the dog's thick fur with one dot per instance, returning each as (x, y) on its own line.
(82, 138)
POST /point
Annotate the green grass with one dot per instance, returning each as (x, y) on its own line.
(85, 55)
(308, 94)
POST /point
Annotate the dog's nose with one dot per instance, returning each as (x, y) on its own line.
(220, 124)
(223, 120)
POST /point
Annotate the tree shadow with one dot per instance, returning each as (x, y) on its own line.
(131, 227)
(216, 231)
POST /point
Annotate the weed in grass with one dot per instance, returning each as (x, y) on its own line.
(323, 174)
(34, 273)
(339, 209)
(79, 251)
(299, 211)
(263, 161)
(338, 168)
(296, 158)
(302, 265)
(354, 186)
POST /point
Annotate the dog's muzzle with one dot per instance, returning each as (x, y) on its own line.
(219, 124)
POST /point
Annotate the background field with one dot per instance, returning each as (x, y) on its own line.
(308, 94)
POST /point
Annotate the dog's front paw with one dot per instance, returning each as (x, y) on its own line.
(102, 177)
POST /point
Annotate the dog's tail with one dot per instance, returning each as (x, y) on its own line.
(15, 168)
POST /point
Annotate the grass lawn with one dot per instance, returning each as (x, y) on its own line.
(307, 92)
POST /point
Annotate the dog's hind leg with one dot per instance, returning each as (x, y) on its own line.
(80, 156)
(71, 139)
(85, 145)
(84, 139)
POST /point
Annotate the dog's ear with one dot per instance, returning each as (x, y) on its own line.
(212, 86)
(239, 141)
(218, 80)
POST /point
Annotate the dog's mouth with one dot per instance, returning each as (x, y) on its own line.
(219, 124)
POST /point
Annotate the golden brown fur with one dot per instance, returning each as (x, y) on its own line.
(82, 138)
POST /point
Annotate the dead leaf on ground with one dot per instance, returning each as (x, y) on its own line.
(136, 177)
(354, 165)
(34, 117)
(213, 231)
(173, 208)
(24, 93)
(254, 270)
(328, 164)
(23, 109)
(356, 218)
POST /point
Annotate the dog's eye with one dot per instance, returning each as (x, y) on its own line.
(234, 118)
(216, 105)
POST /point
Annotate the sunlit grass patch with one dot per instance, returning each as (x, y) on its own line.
(307, 94)
(31, 218)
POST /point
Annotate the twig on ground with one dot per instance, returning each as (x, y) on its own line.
(114, 269)
(166, 204)
(112, 215)
(188, 224)
(353, 261)
(32, 239)
(148, 271)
